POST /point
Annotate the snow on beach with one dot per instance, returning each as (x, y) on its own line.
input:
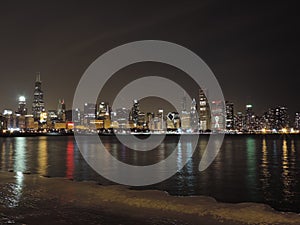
(31, 199)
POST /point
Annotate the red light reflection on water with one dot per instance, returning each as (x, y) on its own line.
(70, 159)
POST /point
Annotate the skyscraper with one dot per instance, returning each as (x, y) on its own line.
(121, 117)
(89, 113)
(194, 116)
(204, 112)
(218, 115)
(276, 119)
(22, 110)
(61, 110)
(229, 116)
(103, 110)
(250, 118)
(134, 114)
(281, 118)
(38, 105)
(239, 121)
(297, 121)
(2, 122)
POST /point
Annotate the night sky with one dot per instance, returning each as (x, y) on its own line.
(252, 48)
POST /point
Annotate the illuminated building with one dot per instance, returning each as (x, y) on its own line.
(103, 115)
(141, 124)
(135, 110)
(250, 120)
(120, 118)
(61, 110)
(281, 120)
(38, 105)
(89, 113)
(20, 122)
(204, 111)
(229, 116)
(157, 123)
(185, 116)
(149, 119)
(185, 121)
(194, 120)
(29, 122)
(297, 121)
(275, 119)
(103, 110)
(218, 113)
(22, 110)
(161, 122)
(239, 121)
(268, 120)
(7, 112)
(76, 116)
(2, 122)
(52, 115)
(19, 117)
(173, 121)
(43, 117)
(9, 119)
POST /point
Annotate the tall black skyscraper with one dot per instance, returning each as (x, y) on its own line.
(135, 110)
(38, 105)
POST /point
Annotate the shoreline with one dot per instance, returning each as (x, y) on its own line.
(137, 134)
(30, 199)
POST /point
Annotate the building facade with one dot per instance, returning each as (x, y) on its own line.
(38, 105)
(229, 116)
(204, 111)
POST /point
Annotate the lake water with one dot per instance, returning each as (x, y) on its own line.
(258, 168)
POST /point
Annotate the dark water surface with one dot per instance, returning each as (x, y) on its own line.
(264, 169)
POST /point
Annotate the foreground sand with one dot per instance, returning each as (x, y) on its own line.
(31, 199)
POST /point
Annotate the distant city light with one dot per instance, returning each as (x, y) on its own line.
(7, 112)
(22, 99)
(284, 130)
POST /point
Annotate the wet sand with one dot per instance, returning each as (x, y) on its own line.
(31, 199)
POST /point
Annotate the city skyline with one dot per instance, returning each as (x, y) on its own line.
(198, 115)
(36, 99)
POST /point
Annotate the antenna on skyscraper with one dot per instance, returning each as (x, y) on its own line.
(38, 77)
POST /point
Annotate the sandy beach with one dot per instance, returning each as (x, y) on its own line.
(32, 199)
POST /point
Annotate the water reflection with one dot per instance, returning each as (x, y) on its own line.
(16, 190)
(7, 154)
(233, 176)
(251, 163)
(19, 167)
(179, 156)
(42, 156)
(265, 169)
(20, 153)
(286, 172)
(70, 159)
